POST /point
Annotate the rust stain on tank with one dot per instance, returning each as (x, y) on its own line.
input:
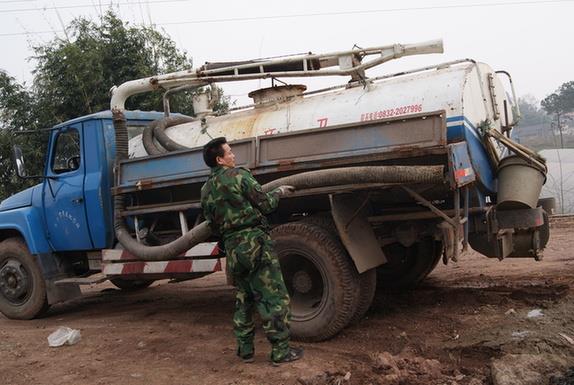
(239, 127)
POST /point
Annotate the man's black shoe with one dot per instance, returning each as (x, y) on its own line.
(248, 358)
(292, 355)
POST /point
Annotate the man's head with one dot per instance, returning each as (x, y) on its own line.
(218, 153)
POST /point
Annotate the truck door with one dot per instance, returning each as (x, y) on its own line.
(63, 195)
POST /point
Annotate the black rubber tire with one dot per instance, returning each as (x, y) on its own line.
(131, 285)
(32, 301)
(408, 266)
(367, 279)
(367, 290)
(332, 277)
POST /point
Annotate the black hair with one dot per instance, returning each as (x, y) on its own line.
(212, 150)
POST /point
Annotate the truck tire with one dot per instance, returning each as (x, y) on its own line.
(408, 266)
(131, 285)
(320, 277)
(367, 279)
(22, 284)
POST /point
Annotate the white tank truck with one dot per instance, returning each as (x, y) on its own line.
(393, 174)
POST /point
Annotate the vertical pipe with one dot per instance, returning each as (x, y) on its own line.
(466, 224)
(166, 108)
(183, 223)
(137, 228)
(456, 251)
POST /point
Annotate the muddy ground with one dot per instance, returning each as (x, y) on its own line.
(467, 324)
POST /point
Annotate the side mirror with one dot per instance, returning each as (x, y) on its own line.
(19, 162)
(20, 166)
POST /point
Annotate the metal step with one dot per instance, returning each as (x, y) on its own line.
(91, 280)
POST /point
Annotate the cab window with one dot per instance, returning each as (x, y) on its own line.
(66, 152)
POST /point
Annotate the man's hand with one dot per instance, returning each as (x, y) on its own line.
(285, 190)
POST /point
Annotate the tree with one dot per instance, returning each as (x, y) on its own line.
(560, 103)
(530, 113)
(17, 106)
(73, 76)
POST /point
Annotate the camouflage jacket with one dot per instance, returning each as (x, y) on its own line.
(233, 200)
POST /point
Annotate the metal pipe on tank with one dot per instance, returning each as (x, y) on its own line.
(395, 52)
(204, 76)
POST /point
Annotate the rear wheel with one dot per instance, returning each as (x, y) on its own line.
(367, 279)
(408, 266)
(320, 277)
(131, 285)
(22, 284)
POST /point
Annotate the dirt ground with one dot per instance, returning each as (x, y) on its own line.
(467, 324)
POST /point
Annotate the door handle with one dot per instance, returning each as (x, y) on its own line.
(78, 200)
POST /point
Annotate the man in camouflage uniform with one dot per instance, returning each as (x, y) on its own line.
(235, 206)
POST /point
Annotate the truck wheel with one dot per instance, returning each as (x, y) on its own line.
(408, 266)
(320, 277)
(367, 279)
(22, 284)
(131, 285)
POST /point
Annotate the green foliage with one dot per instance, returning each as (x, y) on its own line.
(73, 76)
(17, 113)
(530, 113)
(560, 103)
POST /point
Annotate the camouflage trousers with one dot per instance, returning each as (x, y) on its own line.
(254, 269)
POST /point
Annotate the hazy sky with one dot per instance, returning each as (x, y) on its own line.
(530, 39)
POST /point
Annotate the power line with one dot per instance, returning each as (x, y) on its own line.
(86, 6)
(359, 12)
(318, 14)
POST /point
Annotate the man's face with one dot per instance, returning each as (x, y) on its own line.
(228, 158)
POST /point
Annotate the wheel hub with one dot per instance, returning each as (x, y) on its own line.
(14, 281)
(302, 282)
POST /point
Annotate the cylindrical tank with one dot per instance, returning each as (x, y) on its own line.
(469, 92)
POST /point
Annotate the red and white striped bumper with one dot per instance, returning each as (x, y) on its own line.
(121, 262)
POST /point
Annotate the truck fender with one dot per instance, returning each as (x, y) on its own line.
(52, 268)
(350, 215)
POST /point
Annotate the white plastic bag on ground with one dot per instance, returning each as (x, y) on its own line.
(535, 313)
(64, 336)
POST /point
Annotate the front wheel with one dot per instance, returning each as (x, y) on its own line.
(320, 278)
(22, 284)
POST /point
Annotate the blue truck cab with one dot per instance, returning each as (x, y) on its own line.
(48, 229)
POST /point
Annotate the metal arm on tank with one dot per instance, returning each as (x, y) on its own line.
(350, 63)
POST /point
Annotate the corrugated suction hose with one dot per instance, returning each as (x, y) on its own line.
(302, 181)
(156, 130)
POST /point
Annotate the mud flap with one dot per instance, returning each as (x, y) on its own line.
(350, 214)
(61, 292)
(54, 269)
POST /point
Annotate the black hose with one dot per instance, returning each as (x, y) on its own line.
(306, 180)
(359, 175)
(156, 130)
